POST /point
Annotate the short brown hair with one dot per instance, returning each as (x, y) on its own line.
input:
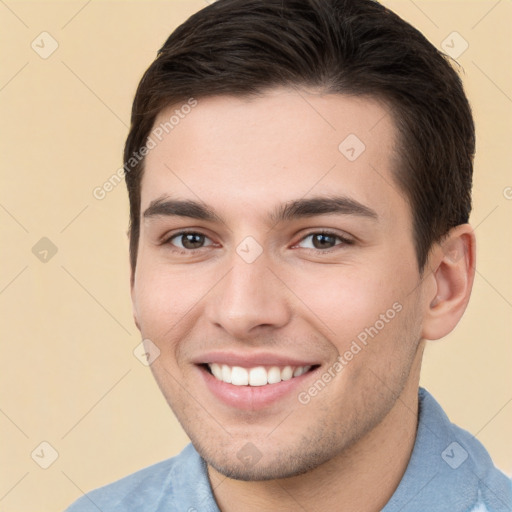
(354, 47)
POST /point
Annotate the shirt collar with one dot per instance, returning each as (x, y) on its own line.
(449, 471)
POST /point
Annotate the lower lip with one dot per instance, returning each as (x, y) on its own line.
(249, 398)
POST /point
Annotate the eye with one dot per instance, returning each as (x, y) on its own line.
(323, 240)
(189, 240)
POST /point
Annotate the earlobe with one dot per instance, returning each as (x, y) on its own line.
(453, 271)
(136, 322)
(134, 308)
(134, 313)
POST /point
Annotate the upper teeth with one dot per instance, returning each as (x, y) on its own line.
(257, 376)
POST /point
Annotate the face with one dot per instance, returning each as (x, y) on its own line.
(277, 277)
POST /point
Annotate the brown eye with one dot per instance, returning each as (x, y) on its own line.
(321, 240)
(189, 240)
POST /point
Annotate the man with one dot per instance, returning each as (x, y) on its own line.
(299, 174)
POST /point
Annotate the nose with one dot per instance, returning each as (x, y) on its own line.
(249, 298)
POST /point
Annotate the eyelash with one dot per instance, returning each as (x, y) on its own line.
(343, 240)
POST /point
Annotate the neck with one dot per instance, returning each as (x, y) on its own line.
(361, 478)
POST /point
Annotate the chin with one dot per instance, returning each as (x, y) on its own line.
(248, 463)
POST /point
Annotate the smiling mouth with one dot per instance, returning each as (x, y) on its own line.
(256, 376)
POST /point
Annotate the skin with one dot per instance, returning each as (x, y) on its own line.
(244, 158)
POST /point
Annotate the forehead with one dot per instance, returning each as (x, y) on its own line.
(279, 146)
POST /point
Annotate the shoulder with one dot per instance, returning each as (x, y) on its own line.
(145, 489)
(494, 487)
(465, 464)
(449, 469)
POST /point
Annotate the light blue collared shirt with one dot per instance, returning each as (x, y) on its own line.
(449, 471)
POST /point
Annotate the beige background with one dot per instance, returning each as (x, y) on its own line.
(69, 376)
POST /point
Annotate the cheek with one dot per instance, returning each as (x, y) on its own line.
(162, 300)
(346, 301)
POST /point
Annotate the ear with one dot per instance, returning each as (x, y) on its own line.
(452, 267)
(134, 309)
(133, 295)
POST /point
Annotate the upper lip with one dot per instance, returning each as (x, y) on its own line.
(251, 360)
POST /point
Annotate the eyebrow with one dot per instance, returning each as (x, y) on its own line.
(299, 208)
